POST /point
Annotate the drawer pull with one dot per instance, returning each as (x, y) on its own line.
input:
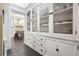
(34, 41)
(41, 44)
(41, 38)
(77, 47)
(50, 13)
(34, 45)
(57, 49)
(28, 39)
(41, 50)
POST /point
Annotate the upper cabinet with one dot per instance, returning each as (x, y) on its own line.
(28, 20)
(63, 18)
(34, 19)
(44, 17)
(53, 18)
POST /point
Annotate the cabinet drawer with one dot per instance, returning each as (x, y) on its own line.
(39, 49)
(40, 38)
(41, 44)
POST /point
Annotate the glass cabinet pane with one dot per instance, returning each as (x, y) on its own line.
(34, 19)
(44, 17)
(63, 18)
(28, 21)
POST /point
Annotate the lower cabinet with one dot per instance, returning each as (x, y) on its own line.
(51, 47)
(39, 49)
(67, 48)
(29, 40)
(60, 48)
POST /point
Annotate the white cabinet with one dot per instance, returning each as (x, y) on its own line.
(44, 17)
(55, 20)
(66, 49)
(29, 40)
(34, 19)
(63, 17)
(51, 46)
(28, 21)
(39, 49)
(61, 48)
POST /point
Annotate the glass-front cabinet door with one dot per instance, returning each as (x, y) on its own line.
(28, 21)
(34, 19)
(63, 18)
(44, 17)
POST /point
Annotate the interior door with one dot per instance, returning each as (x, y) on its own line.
(0, 33)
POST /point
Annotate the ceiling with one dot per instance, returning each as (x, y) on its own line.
(22, 4)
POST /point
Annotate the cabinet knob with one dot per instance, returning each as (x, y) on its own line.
(57, 49)
(34, 41)
(34, 45)
(76, 32)
(50, 13)
(28, 39)
(41, 50)
(77, 47)
(41, 38)
(41, 44)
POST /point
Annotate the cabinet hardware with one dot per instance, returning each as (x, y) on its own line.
(34, 41)
(78, 47)
(57, 49)
(41, 39)
(50, 13)
(76, 32)
(41, 44)
(34, 45)
(41, 50)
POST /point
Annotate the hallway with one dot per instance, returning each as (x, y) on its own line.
(19, 49)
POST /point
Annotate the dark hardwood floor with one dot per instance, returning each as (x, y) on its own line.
(20, 49)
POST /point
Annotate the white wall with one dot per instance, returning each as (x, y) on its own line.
(6, 33)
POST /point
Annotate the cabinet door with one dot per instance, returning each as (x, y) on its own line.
(29, 40)
(66, 49)
(34, 19)
(44, 17)
(28, 21)
(63, 18)
(51, 47)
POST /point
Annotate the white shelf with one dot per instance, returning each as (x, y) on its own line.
(44, 25)
(63, 10)
(63, 23)
(44, 16)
